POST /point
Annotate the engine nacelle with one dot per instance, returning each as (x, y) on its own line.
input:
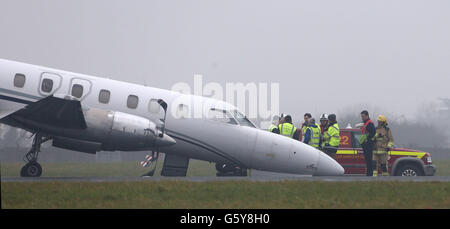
(120, 131)
(77, 145)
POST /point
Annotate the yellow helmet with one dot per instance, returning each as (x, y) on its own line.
(381, 118)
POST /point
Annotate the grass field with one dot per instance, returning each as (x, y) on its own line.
(225, 194)
(443, 167)
(232, 194)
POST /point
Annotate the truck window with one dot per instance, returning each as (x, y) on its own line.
(356, 135)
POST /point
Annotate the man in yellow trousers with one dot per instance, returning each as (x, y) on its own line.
(384, 143)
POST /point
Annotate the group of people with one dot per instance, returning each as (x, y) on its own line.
(323, 136)
(375, 141)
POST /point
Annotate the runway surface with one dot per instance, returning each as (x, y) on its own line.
(223, 179)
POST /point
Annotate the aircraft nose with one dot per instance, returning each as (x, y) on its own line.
(327, 166)
(165, 140)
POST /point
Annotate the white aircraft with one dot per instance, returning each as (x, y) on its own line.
(89, 114)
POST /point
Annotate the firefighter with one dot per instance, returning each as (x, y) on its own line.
(384, 143)
(332, 137)
(287, 128)
(274, 125)
(367, 141)
(312, 134)
(323, 129)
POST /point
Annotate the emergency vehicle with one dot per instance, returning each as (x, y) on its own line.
(402, 161)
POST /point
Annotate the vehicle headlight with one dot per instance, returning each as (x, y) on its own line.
(429, 161)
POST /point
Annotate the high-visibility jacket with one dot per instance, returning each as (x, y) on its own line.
(318, 126)
(315, 136)
(333, 135)
(272, 127)
(287, 129)
(304, 128)
(304, 131)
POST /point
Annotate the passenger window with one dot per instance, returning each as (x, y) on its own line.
(103, 96)
(19, 80)
(132, 101)
(154, 107)
(77, 90)
(221, 116)
(47, 85)
(182, 111)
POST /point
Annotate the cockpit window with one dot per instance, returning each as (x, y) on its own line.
(242, 119)
(221, 116)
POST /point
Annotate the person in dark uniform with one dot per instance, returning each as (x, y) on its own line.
(367, 141)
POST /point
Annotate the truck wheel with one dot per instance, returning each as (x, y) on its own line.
(409, 170)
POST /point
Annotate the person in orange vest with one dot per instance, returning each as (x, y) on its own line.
(367, 141)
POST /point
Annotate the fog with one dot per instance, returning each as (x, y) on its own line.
(328, 56)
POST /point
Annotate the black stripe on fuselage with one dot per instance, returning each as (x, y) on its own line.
(13, 99)
(12, 92)
(205, 146)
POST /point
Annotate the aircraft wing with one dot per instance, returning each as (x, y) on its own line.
(53, 111)
(5, 113)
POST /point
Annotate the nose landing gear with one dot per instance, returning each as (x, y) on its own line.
(229, 170)
(150, 161)
(33, 168)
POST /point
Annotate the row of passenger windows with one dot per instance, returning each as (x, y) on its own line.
(47, 85)
(19, 81)
(78, 90)
(104, 97)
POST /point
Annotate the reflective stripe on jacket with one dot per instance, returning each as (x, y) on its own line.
(333, 133)
(315, 136)
(272, 127)
(384, 139)
(287, 129)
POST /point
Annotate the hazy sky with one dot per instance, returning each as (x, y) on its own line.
(326, 55)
